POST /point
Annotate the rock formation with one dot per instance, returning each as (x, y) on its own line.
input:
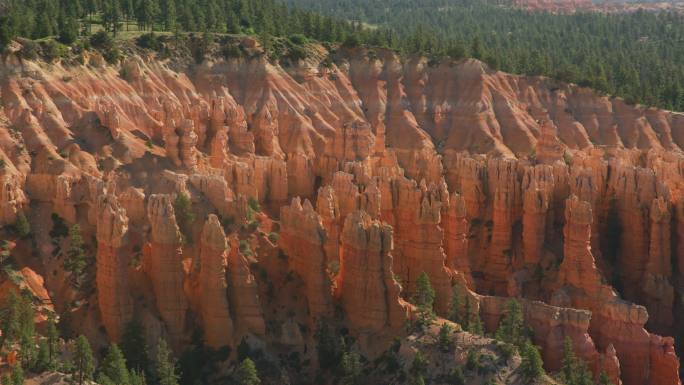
(468, 173)
(366, 286)
(165, 266)
(302, 239)
(217, 323)
(113, 292)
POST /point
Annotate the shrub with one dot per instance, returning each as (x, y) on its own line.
(531, 365)
(254, 205)
(231, 51)
(112, 56)
(22, 226)
(29, 50)
(297, 53)
(149, 41)
(298, 39)
(52, 50)
(101, 40)
(352, 41)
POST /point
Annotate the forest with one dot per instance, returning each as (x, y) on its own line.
(637, 56)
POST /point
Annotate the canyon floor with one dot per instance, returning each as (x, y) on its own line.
(253, 200)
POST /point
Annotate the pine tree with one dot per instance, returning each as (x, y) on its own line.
(329, 346)
(455, 306)
(52, 339)
(76, 260)
(134, 347)
(604, 379)
(137, 378)
(247, 373)
(22, 225)
(351, 369)
(476, 48)
(467, 309)
(424, 299)
(42, 358)
(84, 364)
(532, 364)
(574, 370)
(419, 366)
(445, 337)
(11, 319)
(16, 377)
(511, 325)
(113, 367)
(569, 361)
(165, 366)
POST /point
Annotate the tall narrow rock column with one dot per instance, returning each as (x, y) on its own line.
(302, 239)
(218, 326)
(366, 284)
(113, 295)
(165, 266)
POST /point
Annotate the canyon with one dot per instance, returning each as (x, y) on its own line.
(322, 189)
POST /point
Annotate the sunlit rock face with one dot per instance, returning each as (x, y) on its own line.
(211, 192)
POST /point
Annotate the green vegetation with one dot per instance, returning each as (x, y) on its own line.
(445, 338)
(113, 368)
(351, 369)
(22, 226)
(247, 373)
(424, 298)
(183, 209)
(574, 370)
(165, 369)
(84, 363)
(455, 314)
(134, 347)
(511, 327)
(639, 55)
(531, 366)
(76, 261)
(16, 377)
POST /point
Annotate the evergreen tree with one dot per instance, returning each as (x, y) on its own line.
(112, 16)
(247, 373)
(424, 299)
(52, 340)
(22, 225)
(329, 346)
(467, 309)
(511, 325)
(445, 337)
(604, 380)
(351, 369)
(476, 48)
(113, 367)
(165, 366)
(84, 363)
(456, 376)
(532, 364)
(574, 371)
(134, 347)
(454, 314)
(419, 366)
(42, 358)
(16, 377)
(137, 378)
(68, 29)
(76, 260)
(10, 322)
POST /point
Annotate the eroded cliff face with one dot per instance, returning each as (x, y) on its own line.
(335, 185)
